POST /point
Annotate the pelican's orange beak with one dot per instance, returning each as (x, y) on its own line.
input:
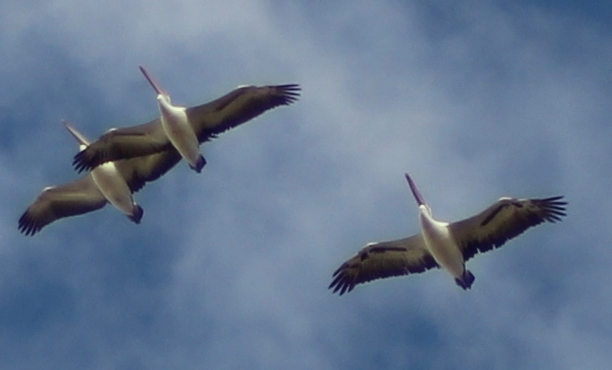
(415, 191)
(158, 89)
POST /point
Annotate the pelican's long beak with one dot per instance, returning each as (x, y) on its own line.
(155, 86)
(83, 142)
(415, 191)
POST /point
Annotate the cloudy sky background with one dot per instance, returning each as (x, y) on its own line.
(229, 269)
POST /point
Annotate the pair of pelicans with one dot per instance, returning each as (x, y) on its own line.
(122, 161)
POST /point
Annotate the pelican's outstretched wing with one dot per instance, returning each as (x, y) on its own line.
(123, 143)
(502, 221)
(71, 199)
(138, 171)
(381, 260)
(237, 107)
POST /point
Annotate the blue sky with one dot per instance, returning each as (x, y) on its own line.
(229, 268)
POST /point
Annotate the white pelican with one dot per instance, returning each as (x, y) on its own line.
(112, 182)
(440, 244)
(185, 128)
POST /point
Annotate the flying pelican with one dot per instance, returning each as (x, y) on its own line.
(440, 244)
(185, 128)
(113, 182)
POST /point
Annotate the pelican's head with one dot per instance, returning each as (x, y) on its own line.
(162, 96)
(417, 195)
(82, 140)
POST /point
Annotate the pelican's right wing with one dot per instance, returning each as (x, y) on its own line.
(123, 143)
(237, 107)
(71, 199)
(381, 260)
(139, 170)
(502, 221)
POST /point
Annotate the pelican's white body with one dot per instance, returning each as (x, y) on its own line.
(113, 187)
(109, 181)
(440, 243)
(180, 133)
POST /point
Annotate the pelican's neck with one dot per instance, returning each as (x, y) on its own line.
(432, 229)
(165, 97)
(427, 218)
(425, 211)
(163, 101)
(165, 106)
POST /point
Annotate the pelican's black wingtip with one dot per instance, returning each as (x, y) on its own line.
(26, 225)
(555, 208)
(79, 163)
(341, 284)
(291, 93)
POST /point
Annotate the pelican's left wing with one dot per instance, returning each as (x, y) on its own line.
(55, 202)
(504, 220)
(123, 143)
(237, 107)
(138, 171)
(381, 260)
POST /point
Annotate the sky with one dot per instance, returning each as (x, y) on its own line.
(229, 268)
